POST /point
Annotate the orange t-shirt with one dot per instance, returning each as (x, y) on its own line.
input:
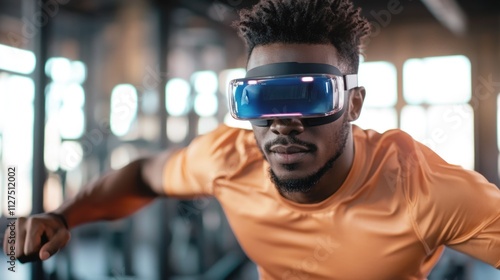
(389, 220)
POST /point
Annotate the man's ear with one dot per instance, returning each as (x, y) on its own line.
(356, 99)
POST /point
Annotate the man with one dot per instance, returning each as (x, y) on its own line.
(308, 195)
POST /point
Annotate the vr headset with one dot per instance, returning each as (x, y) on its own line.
(314, 92)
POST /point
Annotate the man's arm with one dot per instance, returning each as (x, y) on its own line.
(115, 195)
(483, 245)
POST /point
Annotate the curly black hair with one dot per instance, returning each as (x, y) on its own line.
(335, 22)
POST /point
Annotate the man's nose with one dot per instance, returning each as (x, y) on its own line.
(287, 126)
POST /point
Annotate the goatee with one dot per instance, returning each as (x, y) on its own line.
(305, 184)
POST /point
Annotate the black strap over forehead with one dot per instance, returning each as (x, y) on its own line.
(292, 68)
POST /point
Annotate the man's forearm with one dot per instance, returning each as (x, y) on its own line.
(115, 195)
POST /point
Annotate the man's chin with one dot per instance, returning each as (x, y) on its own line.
(290, 173)
(292, 188)
(292, 183)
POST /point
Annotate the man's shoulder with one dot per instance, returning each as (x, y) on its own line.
(226, 135)
(391, 152)
(390, 137)
(224, 142)
(210, 157)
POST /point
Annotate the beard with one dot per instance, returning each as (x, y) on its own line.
(305, 184)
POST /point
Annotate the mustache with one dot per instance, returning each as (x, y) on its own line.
(289, 140)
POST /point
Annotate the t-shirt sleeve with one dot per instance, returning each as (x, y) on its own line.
(194, 170)
(455, 207)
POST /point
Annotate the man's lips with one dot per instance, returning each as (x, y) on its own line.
(288, 154)
(288, 149)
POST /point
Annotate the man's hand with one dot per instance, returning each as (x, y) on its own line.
(37, 237)
(113, 196)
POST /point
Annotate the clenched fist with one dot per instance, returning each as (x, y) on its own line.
(36, 237)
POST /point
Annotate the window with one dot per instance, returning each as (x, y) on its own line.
(436, 91)
(16, 123)
(65, 146)
(177, 104)
(380, 81)
(123, 113)
(498, 130)
(205, 84)
(435, 105)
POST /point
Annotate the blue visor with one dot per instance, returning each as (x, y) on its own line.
(285, 96)
(281, 91)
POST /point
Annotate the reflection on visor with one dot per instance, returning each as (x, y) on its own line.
(286, 96)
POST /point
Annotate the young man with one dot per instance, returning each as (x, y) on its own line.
(308, 195)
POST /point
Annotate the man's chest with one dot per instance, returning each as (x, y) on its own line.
(346, 242)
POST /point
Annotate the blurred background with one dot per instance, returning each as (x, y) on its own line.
(88, 86)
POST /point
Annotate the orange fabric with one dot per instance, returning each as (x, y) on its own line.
(390, 219)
